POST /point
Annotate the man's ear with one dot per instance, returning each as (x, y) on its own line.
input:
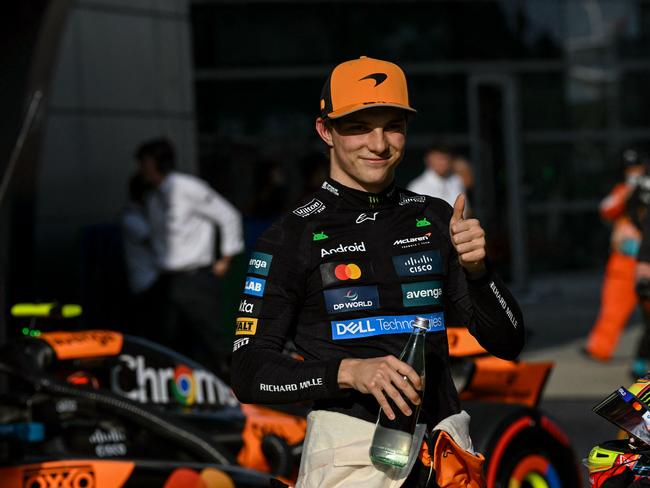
(324, 131)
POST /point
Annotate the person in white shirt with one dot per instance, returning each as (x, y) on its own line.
(183, 212)
(438, 179)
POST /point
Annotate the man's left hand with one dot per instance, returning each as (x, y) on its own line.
(221, 266)
(468, 238)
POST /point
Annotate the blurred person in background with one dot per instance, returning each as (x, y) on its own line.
(183, 212)
(623, 206)
(141, 268)
(641, 364)
(438, 178)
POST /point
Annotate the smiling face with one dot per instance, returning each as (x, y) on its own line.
(365, 147)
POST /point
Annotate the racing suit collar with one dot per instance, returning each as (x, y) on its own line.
(352, 198)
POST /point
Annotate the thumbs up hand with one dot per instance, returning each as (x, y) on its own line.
(468, 238)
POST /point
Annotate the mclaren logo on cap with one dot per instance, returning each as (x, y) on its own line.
(378, 77)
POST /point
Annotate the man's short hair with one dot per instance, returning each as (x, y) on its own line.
(161, 151)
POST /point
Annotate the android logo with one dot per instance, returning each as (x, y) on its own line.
(422, 222)
(320, 236)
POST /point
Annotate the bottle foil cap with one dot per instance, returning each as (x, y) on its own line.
(421, 323)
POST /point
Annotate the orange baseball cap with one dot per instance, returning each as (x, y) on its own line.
(364, 83)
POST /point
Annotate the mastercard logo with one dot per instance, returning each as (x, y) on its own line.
(345, 272)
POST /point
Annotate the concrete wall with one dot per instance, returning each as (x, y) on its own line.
(124, 75)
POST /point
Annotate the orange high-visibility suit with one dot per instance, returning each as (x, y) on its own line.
(618, 298)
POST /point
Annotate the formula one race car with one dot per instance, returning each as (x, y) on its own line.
(624, 462)
(100, 408)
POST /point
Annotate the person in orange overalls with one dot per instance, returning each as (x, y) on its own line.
(618, 298)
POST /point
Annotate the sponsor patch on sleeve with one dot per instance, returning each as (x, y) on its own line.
(239, 343)
(260, 263)
(246, 326)
(254, 286)
(250, 306)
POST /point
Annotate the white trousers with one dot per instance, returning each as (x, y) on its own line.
(336, 453)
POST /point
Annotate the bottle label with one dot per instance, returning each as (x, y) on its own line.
(391, 324)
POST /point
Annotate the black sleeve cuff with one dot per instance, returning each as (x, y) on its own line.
(480, 281)
(332, 378)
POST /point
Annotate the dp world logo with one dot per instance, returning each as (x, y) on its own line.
(344, 300)
(351, 295)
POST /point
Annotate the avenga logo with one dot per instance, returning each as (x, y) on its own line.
(153, 385)
(356, 247)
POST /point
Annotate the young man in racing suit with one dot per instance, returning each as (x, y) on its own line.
(345, 274)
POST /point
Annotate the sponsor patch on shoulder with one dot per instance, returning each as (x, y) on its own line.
(313, 207)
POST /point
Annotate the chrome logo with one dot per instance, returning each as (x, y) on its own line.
(183, 386)
(347, 272)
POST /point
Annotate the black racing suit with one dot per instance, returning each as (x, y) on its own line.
(343, 276)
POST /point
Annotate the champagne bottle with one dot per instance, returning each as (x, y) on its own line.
(391, 443)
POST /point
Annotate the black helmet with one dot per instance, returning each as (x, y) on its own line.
(634, 157)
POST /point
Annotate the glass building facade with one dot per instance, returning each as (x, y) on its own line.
(541, 95)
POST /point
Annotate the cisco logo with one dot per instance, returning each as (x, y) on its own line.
(418, 263)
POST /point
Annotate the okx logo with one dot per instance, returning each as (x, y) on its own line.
(347, 299)
(260, 263)
(60, 477)
(418, 263)
(421, 294)
(254, 286)
(333, 273)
